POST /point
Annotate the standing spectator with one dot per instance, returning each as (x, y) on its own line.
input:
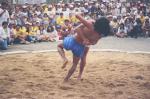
(4, 15)
(4, 35)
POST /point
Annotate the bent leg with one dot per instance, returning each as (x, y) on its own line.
(73, 68)
(4, 45)
(83, 62)
(62, 54)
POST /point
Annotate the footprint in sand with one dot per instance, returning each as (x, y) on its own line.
(17, 69)
(46, 69)
(87, 97)
(111, 85)
(65, 87)
(148, 68)
(70, 95)
(87, 81)
(52, 93)
(117, 93)
(139, 77)
(3, 91)
(121, 83)
(145, 85)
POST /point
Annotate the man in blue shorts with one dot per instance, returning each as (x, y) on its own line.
(88, 33)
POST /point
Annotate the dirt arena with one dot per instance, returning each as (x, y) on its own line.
(107, 75)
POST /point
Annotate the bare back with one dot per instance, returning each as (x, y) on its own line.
(91, 35)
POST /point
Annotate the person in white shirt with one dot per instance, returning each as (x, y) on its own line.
(4, 35)
(4, 15)
(122, 31)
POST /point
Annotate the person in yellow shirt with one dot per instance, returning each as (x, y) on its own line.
(20, 35)
(60, 20)
(34, 29)
(73, 19)
(142, 18)
(32, 32)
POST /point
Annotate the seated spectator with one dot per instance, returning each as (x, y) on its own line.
(12, 35)
(137, 29)
(146, 27)
(73, 19)
(60, 20)
(52, 33)
(41, 34)
(114, 24)
(122, 31)
(20, 35)
(128, 24)
(31, 36)
(66, 29)
(4, 36)
(35, 28)
(45, 20)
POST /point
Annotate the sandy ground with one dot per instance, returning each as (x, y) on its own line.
(107, 75)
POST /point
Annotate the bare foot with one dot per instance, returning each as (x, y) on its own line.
(79, 78)
(64, 64)
(65, 81)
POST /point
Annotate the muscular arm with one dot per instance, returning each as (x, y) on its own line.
(79, 30)
(85, 22)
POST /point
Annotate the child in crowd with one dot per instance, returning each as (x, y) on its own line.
(52, 33)
(122, 31)
(66, 29)
(146, 27)
(41, 34)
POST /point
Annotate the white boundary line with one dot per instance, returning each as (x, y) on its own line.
(92, 50)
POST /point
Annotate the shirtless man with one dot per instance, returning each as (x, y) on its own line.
(88, 33)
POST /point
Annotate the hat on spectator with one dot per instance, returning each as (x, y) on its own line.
(138, 16)
(86, 4)
(146, 18)
(58, 4)
(114, 17)
(24, 6)
(128, 14)
(28, 23)
(66, 19)
(109, 16)
(71, 6)
(78, 3)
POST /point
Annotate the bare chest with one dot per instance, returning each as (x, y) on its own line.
(93, 37)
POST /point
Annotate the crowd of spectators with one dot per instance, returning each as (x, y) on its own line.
(30, 23)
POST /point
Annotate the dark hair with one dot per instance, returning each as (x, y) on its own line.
(4, 3)
(4, 23)
(121, 24)
(50, 28)
(102, 26)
